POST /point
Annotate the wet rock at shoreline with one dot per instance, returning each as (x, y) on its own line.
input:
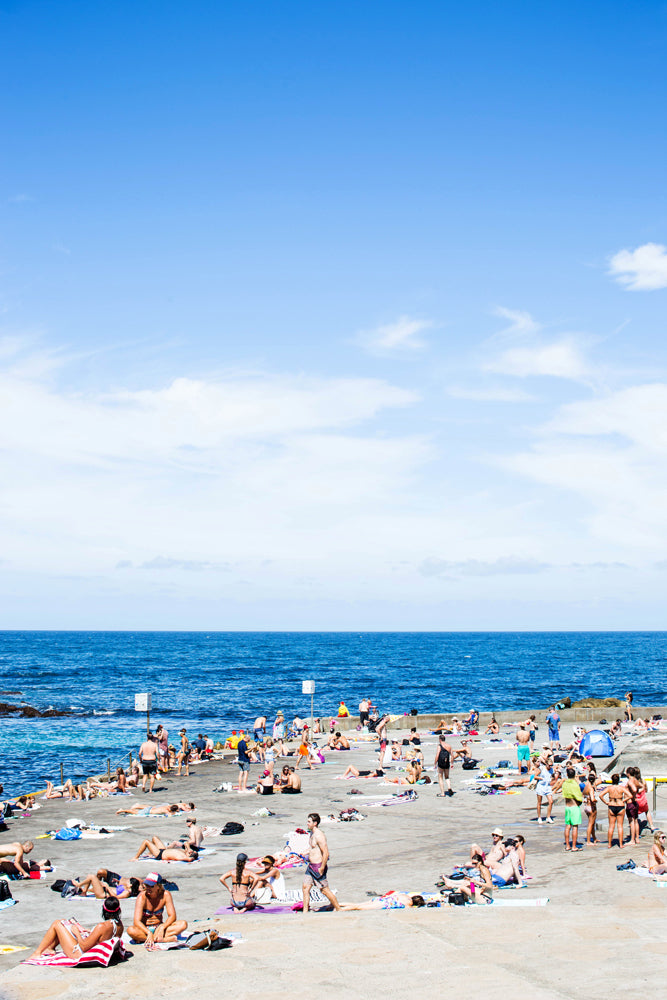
(28, 712)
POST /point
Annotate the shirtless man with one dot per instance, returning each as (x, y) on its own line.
(195, 835)
(523, 747)
(318, 862)
(148, 758)
(506, 871)
(161, 852)
(443, 756)
(259, 728)
(16, 852)
(293, 784)
(496, 853)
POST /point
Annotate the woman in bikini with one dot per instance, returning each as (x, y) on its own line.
(241, 888)
(184, 755)
(74, 940)
(390, 901)
(93, 885)
(615, 796)
(591, 805)
(657, 859)
(477, 889)
(155, 915)
(268, 878)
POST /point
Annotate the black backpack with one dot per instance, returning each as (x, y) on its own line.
(5, 891)
(469, 764)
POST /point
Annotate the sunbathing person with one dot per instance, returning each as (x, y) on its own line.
(293, 784)
(506, 871)
(163, 810)
(154, 914)
(352, 772)
(268, 877)
(477, 889)
(463, 751)
(74, 941)
(65, 790)
(161, 852)
(390, 901)
(92, 885)
(492, 727)
(495, 853)
(194, 835)
(242, 885)
(657, 859)
(413, 774)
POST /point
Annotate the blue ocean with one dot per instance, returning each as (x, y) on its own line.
(213, 682)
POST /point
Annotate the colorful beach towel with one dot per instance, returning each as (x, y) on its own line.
(103, 954)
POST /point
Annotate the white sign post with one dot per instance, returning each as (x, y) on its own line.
(142, 703)
(308, 687)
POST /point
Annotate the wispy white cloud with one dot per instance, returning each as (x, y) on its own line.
(520, 321)
(490, 394)
(402, 337)
(562, 358)
(506, 565)
(641, 270)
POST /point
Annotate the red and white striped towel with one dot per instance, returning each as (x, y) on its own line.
(101, 954)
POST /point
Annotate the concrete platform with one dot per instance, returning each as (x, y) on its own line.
(598, 921)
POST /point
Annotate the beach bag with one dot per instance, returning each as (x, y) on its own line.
(207, 941)
(5, 891)
(69, 889)
(231, 828)
(469, 764)
(457, 899)
(58, 885)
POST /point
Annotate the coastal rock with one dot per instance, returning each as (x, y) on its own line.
(598, 703)
(27, 712)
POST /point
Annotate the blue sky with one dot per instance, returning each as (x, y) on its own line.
(333, 316)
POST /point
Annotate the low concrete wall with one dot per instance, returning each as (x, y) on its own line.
(516, 715)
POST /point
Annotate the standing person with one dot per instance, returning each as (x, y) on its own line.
(259, 728)
(363, 711)
(531, 727)
(279, 726)
(148, 758)
(183, 756)
(553, 722)
(544, 789)
(318, 864)
(615, 797)
(573, 796)
(591, 805)
(628, 705)
(162, 737)
(443, 756)
(244, 764)
(522, 748)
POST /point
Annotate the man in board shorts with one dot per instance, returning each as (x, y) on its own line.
(148, 758)
(443, 757)
(523, 748)
(318, 863)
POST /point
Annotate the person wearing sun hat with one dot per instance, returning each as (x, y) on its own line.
(496, 853)
(279, 725)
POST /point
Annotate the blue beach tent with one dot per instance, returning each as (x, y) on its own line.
(597, 743)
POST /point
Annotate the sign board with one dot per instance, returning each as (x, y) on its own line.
(307, 687)
(142, 702)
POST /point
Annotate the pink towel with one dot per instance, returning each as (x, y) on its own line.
(101, 954)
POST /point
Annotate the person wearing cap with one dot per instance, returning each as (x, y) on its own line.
(265, 784)
(343, 712)
(496, 853)
(155, 914)
(194, 836)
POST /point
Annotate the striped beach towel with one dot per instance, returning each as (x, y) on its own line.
(102, 954)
